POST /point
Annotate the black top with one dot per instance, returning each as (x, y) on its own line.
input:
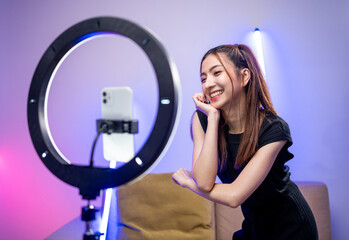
(277, 209)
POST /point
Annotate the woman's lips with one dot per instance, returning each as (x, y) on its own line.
(215, 94)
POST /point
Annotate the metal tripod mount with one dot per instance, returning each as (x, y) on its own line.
(88, 215)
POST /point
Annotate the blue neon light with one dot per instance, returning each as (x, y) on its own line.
(106, 208)
(259, 47)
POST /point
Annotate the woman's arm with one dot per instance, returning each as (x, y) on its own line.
(205, 153)
(235, 193)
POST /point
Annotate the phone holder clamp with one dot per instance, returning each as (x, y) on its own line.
(117, 126)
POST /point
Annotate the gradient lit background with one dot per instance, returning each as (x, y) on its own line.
(305, 47)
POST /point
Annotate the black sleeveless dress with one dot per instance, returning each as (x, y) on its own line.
(276, 210)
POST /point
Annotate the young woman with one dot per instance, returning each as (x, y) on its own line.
(239, 136)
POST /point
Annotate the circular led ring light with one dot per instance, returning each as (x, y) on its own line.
(91, 180)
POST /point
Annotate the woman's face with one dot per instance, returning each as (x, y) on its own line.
(217, 86)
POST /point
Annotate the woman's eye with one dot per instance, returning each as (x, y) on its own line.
(203, 80)
(217, 73)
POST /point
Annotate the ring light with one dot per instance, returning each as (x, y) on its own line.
(91, 180)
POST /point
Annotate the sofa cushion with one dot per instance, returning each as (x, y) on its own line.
(228, 220)
(316, 194)
(156, 208)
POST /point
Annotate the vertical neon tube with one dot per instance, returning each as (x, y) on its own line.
(106, 208)
(260, 57)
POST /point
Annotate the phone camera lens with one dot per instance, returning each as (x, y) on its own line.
(104, 94)
(104, 101)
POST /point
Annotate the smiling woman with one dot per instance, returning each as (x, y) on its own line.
(238, 134)
(219, 83)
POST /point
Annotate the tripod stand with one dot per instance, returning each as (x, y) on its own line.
(88, 215)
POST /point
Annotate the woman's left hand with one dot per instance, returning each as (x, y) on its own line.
(183, 178)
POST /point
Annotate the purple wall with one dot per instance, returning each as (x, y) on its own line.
(305, 49)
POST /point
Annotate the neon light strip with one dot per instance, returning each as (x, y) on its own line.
(106, 208)
(105, 216)
(260, 57)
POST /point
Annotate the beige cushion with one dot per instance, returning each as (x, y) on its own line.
(156, 208)
(316, 195)
(228, 221)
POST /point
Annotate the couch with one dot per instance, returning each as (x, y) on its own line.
(156, 208)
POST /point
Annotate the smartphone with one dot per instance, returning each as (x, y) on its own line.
(117, 105)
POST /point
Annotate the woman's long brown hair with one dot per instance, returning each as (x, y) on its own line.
(258, 102)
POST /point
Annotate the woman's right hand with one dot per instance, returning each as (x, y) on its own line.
(202, 104)
(183, 178)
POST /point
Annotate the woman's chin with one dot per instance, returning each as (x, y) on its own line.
(216, 105)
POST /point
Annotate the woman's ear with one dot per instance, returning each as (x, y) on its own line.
(245, 76)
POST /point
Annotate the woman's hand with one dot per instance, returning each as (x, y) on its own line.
(202, 105)
(183, 178)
